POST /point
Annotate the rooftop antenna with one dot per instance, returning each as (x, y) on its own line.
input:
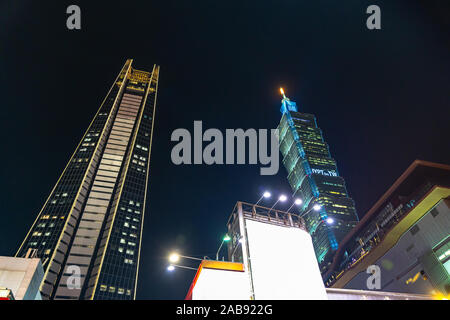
(284, 96)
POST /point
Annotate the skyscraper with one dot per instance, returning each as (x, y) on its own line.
(314, 177)
(88, 233)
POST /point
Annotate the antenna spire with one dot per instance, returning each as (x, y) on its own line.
(282, 92)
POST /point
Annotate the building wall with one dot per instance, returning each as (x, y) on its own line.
(22, 276)
(410, 254)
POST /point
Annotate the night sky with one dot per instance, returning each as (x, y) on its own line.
(381, 98)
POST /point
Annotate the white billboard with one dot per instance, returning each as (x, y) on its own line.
(215, 284)
(283, 263)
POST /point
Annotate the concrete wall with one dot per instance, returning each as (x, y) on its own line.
(23, 276)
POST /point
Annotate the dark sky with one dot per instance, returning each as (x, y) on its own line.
(380, 97)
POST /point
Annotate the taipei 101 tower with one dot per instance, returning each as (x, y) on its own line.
(314, 178)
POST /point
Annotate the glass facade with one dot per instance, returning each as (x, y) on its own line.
(314, 177)
(88, 233)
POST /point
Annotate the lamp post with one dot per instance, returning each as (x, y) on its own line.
(315, 207)
(172, 267)
(226, 238)
(281, 198)
(174, 257)
(266, 194)
(297, 201)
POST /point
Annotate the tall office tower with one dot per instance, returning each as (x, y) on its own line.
(313, 176)
(88, 233)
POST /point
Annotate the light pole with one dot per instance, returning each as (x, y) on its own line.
(281, 198)
(226, 238)
(172, 267)
(265, 195)
(174, 257)
(297, 201)
(315, 207)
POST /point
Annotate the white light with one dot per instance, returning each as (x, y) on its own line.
(241, 240)
(266, 194)
(282, 198)
(298, 201)
(170, 268)
(330, 220)
(174, 257)
(317, 207)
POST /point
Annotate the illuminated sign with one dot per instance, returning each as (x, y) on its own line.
(329, 173)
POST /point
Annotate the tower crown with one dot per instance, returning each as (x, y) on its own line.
(286, 104)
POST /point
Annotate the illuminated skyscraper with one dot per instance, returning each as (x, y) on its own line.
(88, 233)
(314, 177)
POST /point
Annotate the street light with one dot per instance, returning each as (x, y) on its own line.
(226, 238)
(265, 195)
(174, 257)
(282, 198)
(172, 267)
(297, 201)
(315, 207)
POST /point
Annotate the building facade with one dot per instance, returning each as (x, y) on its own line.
(20, 278)
(406, 234)
(314, 178)
(88, 233)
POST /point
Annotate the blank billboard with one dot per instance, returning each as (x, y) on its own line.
(215, 284)
(283, 263)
